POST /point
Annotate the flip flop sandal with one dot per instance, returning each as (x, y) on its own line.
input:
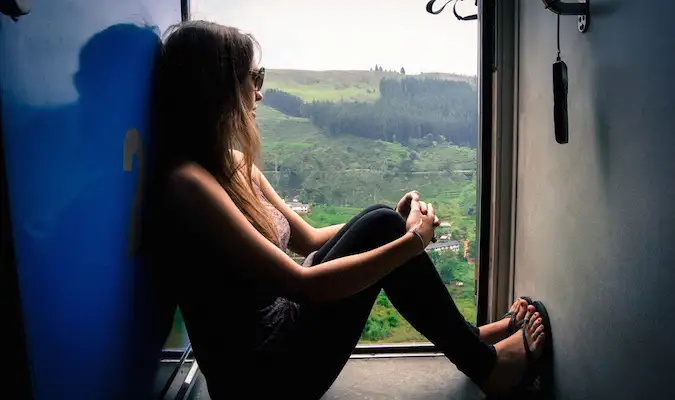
(533, 374)
(547, 353)
(512, 321)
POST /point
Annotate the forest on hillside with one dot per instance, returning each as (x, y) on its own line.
(416, 112)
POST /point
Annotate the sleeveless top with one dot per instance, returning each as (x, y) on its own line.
(282, 226)
(278, 317)
(220, 307)
(280, 222)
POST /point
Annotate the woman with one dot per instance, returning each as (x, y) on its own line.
(259, 323)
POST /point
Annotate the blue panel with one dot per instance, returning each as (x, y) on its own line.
(74, 81)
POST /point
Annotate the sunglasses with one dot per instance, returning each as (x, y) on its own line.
(258, 78)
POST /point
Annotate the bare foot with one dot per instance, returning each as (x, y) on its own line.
(496, 331)
(511, 357)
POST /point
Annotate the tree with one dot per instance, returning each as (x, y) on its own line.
(402, 71)
(450, 266)
(472, 249)
(414, 112)
(284, 102)
(460, 232)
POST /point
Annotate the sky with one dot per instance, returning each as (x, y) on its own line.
(352, 34)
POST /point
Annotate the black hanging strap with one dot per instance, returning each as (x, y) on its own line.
(430, 10)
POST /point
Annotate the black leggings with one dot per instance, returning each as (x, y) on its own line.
(325, 334)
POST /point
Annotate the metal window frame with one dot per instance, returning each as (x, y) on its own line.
(504, 158)
(185, 10)
(514, 99)
(486, 19)
(179, 386)
(489, 280)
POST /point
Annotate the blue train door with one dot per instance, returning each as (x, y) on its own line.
(74, 87)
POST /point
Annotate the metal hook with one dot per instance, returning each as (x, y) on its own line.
(581, 9)
(430, 10)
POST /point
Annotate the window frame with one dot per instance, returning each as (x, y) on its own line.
(501, 266)
(185, 10)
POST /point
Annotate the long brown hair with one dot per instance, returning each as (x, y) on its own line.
(202, 110)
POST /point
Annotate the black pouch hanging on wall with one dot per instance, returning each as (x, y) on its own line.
(560, 117)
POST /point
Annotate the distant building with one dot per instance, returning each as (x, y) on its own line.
(441, 247)
(298, 207)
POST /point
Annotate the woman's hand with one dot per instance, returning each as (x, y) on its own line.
(422, 218)
(403, 206)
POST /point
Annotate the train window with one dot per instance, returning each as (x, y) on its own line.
(364, 101)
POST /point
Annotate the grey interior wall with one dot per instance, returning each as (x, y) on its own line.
(595, 224)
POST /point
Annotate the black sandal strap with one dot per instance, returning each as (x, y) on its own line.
(511, 328)
(528, 353)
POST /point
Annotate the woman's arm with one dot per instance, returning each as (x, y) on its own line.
(207, 208)
(326, 233)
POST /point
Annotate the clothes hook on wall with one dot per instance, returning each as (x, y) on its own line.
(430, 10)
(15, 8)
(581, 9)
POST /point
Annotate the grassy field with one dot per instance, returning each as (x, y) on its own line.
(338, 85)
(385, 324)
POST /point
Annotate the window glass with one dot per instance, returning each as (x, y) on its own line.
(363, 102)
(178, 338)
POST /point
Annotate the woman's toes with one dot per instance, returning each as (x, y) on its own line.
(516, 306)
(539, 330)
(529, 313)
(539, 341)
(534, 332)
(522, 310)
(536, 324)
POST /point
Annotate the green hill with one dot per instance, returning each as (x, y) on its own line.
(340, 85)
(340, 174)
(350, 171)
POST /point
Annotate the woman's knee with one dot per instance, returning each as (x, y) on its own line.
(375, 207)
(385, 221)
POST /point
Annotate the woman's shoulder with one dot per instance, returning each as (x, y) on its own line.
(186, 175)
(184, 179)
(238, 157)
